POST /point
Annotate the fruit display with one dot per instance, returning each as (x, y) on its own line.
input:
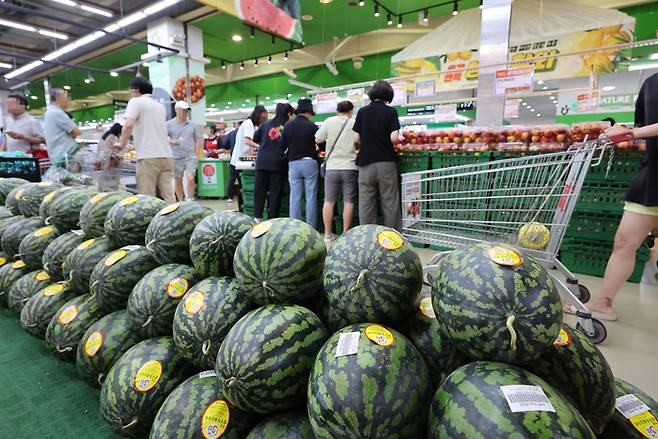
(64, 210)
(7, 185)
(41, 307)
(640, 422)
(10, 273)
(588, 130)
(58, 250)
(94, 211)
(44, 207)
(34, 245)
(32, 196)
(14, 234)
(291, 425)
(80, 263)
(127, 220)
(13, 197)
(25, 287)
(8, 221)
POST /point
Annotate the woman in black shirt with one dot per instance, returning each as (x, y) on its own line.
(271, 164)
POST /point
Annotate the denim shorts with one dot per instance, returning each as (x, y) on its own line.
(185, 165)
(335, 181)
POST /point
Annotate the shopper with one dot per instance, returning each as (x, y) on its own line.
(60, 130)
(377, 127)
(341, 172)
(23, 131)
(108, 161)
(185, 144)
(641, 208)
(146, 118)
(244, 140)
(298, 142)
(271, 163)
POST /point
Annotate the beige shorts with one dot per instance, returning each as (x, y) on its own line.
(640, 209)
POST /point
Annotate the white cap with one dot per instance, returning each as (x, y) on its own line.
(182, 105)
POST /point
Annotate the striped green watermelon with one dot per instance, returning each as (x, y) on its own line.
(152, 303)
(33, 245)
(65, 209)
(115, 276)
(168, 234)
(103, 344)
(44, 207)
(56, 252)
(372, 274)
(12, 237)
(264, 361)
(6, 186)
(291, 425)
(280, 261)
(68, 326)
(641, 423)
(13, 198)
(382, 390)
(5, 213)
(93, 213)
(470, 403)
(205, 315)
(138, 384)
(6, 222)
(576, 368)
(9, 274)
(214, 240)
(423, 330)
(33, 195)
(197, 409)
(41, 307)
(496, 303)
(25, 287)
(79, 264)
(127, 220)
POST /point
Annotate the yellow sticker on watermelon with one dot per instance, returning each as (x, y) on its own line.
(380, 335)
(53, 290)
(18, 264)
(426, 308)
(115, 257)
(148, 376)
(49, 197)
(43, 231)
(93, 344)
(177, 287)
(215, 419)
(194, 301)
(19, 194)
(563, 338)
(260, 229)
(96, 198)
(68, 315)
(505, 256)
(169, 209)
(646, 424)
(85, 244)
(41, 276)
(129, 200)
(390, 240)
(3, 261)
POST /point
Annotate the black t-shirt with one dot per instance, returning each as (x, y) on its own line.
(374, 123)
(270, 154)
(298, 139)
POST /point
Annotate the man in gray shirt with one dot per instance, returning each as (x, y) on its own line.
(23, 131)
(59, 127)
(185, 144)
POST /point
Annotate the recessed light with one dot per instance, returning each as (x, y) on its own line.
(236, 38)
(538, 115)
(67, 87)
(326, 2)
(213, 105)
(532, 110)
(247, 100)
(307, 17)
(608, 88)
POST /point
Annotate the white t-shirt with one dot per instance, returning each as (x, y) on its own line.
(150, 129)
(247, 129)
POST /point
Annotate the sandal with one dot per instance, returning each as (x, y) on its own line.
(569, 308)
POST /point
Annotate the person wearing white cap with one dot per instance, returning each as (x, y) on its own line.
(185, 144)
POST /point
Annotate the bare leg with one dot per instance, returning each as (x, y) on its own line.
(327, 217)
(348, 213)
(191, 185)
(180, 193)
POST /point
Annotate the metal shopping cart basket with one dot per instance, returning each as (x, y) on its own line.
(490, 202)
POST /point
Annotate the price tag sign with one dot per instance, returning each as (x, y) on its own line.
(630, 405)
(509, 81)
(348, 343)
(445, 113)
(522, 398)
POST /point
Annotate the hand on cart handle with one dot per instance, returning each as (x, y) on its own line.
(618, 133)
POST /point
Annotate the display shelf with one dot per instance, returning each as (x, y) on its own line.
(591, 257)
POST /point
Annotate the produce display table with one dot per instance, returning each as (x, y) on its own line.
(212, 177)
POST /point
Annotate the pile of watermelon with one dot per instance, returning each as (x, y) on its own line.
(214, 325)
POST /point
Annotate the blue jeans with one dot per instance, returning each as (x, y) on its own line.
(303, 178)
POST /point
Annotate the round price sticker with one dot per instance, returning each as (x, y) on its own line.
(96, 198)
(505, 256)
(426, 308)
(148, 376)
(85, 244)
(215, 419)
(53, 290)
(41, 276)
(18, 264)
(44, 231)
(177, 288)
(3, 261)
(563, 338)
(68, 315)
(115, 257)
(260, 229)
(390, 240)
(194, 302)
(380, 335)
(93, 344)
(169, 209)
(49, 197)
(19, 194)
(129, 200)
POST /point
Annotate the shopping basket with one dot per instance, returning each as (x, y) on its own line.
(490, 202)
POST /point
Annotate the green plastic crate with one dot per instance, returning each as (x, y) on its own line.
(591, 257)
(248, 179)
(602, 197)
(447, 159)
(503, 155)
(414, 161)
(593, 225)
(625, 165)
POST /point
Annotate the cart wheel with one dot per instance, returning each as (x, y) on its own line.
(600, 333)
(583, 294)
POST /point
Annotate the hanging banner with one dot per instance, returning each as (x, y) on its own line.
(355, 96)
(445, 113)
(279, 17)
(512, 107)
(400, 96)
(425, 88)
(588, 102)
(326, 103)
(510, 81)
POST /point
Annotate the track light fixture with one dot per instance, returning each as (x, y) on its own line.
(223, 65)
(285, 56)
(242, 65)
(376, 9)
(455, 8)
(269, 59)
(389, 19)
(400, 22)
(426, 15)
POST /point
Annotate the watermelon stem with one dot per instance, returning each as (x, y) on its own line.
(131, 424)
(267, 288)
(47, 221)
(147, 322)
(216, 241)
(100, 379)
(62, 350)
(230, 382)
(360, 280)
(510, 328)
(205, 347)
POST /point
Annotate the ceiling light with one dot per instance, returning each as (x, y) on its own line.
(247, 100)
(389, 19)
(376, 9)
(307, 17)
(146, 64)
(289, 95)
(608, 88)
(540, 82)
(34, 98)
(400, 22)
(324, 2)
(130, 19)
(52, 34)
(256, 63)
(114, 74)
(252, 32)
(538, 115)
(455, 8)
(227, 107)
(159, 6)
(67, 87)
(95, 10)
(4, 65)
(213, 105)
(242, 65)
(285, 56)
(229, 102)
(223, 65)
(89, 79)
(362, 3)
(66, 2)
(426, 16)
(17, 25)
(236, 38)
(267, 98)
(532, 110)
(243, 105)
(25, 68)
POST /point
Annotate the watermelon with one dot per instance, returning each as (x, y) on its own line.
(103, 344)
(5, 213)
(6, 222)
(41, 307)
(372, 274)
(69, 324)
(139, 383)
(382, 390)
(578, 370)
(423, 330)
(9, 274)
(496, 303)
(65, 209)
(264, 361)
(152, 303)
(44, 207)
(94, 211)
(33, 195)
(645, 415)
(291, 425)
(56, 252)
(33, 245)
(79, 264)
(25, 287)
(14, 196)
(471, 403)
(115, 276)
(214, 240)
(12, 237)
(205, 315)
(168, 234)
(127, 220)
(197, 409)
(7, 185)
(280, 261)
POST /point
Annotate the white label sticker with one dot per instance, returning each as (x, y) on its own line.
(78, 232)
(130, 247)
(523, 398)
(630, 405)
(348, 343)
(207, 374)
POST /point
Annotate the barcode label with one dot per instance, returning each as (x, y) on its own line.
(78, 232)
(207, 374)
(131, 247)
(630, 405)
(521, 398)
(348, 343)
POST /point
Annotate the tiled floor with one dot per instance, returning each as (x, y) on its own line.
(632, 343)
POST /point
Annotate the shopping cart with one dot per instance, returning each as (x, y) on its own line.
(490, 202)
